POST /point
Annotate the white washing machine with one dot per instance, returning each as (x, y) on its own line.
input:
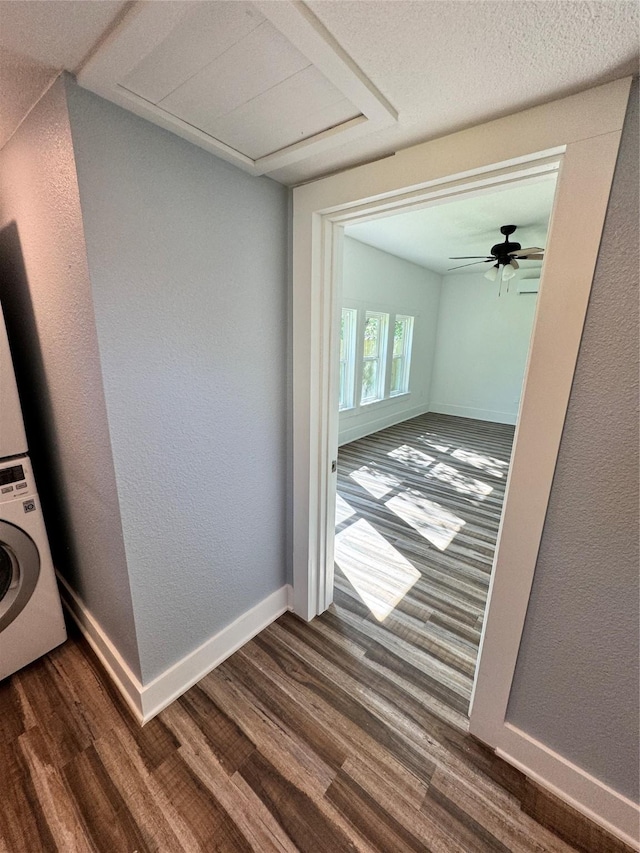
(31, 621)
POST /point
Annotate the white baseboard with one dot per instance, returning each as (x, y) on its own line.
(173, 682)
(588, 795)
(145, 701)
(476, 414)
(360, 428)
(117, 668)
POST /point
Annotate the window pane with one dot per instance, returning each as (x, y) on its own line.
(371, 337)
(369, 380)
(348, 324)
(396, 375)
(398, 337)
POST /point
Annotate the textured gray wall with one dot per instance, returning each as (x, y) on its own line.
(44, 287)
(188, 264)
(576, 684)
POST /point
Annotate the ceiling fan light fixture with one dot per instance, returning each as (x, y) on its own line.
(492, 273)
(509, 270)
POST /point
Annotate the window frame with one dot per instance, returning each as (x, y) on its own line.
(407, 349)
(346, 390)
(380, 357)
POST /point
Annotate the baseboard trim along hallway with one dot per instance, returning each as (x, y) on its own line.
(599, 802)
(146, 701)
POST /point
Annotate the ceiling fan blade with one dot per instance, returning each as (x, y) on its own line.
(537, 257)
(468, 265)
(468, 257)
(532, 250)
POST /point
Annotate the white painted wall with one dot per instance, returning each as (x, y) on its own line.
(481, 348)
(582, 627)
(47, 301)
(188, 264)
(376, 281)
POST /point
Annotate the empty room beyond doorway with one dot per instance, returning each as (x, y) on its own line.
(435, 330)
(418, 510)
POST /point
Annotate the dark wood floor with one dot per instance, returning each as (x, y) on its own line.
(313, 737)
(419, 507)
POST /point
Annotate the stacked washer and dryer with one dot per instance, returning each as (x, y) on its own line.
(31, 621)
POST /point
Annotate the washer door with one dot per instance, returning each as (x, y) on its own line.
(19, 570)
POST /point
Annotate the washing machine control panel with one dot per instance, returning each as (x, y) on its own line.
(16, 479)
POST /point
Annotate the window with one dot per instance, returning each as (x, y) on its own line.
(375, 328)
(348, 322)
(401, 355)
(375, 350)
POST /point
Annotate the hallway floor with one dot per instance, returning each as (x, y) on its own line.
(308, 739)
(329, 736)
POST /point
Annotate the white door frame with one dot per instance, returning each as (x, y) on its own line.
(584, 131)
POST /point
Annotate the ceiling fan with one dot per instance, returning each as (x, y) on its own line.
(505, 255)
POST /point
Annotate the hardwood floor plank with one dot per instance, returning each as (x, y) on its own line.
(23, 822)
(95, 705)
(248, 813)
(302, 819)
(209, 823)
(346, 731)
(288, 752)
(370, 819)
(106, 817)
(122, 741)
(551, 812)
(348, 705)
(134, 789)
(503, 820)
(224, 738)
(295, 717)
(66, 736)
(63, 819)
(12, 715)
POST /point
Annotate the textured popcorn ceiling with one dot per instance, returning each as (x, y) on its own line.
(38, 39)
(449, 65)
(442, 64)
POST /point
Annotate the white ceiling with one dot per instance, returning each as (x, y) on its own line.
(37, 40)
(466, 226)
(226, 70)
(442, 64)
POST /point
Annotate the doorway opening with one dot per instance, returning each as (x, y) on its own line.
(433, 340)
(582, 133)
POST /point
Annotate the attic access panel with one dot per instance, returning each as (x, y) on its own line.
(260, 84)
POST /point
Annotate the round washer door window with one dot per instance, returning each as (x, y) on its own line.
(6, 572)
(19, 571)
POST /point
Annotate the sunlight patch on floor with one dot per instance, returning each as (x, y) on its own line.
(375, 482)
(437, 524)
(495, 467)
(410, 456)
(460, 482)
(343, 510)
(441, 448)
(375, 569)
